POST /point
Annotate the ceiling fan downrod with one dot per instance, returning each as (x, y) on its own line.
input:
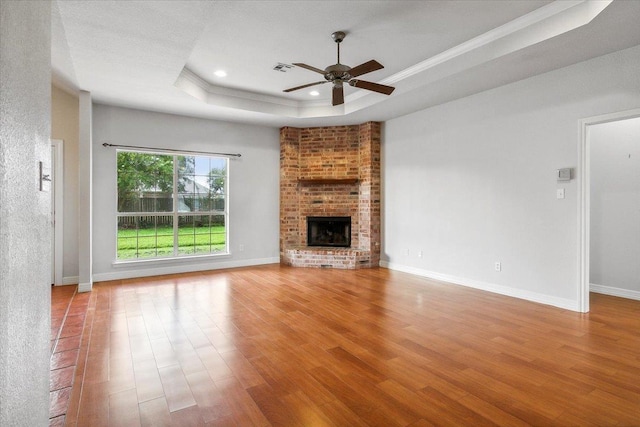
(338, 36)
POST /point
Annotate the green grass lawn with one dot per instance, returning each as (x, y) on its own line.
(158, 242)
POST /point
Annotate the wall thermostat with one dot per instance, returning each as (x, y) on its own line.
(564, 174)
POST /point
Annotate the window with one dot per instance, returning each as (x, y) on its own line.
(171, 205)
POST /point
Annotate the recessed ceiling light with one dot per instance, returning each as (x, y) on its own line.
(221, 73)
(314, 93)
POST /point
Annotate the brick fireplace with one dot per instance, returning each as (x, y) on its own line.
(330, 172)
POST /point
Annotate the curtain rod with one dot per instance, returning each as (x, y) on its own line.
(106, 144)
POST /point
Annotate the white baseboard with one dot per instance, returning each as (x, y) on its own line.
(180, 268)
(489, 287)
(85, 287)
(616, 292)
(70, 280)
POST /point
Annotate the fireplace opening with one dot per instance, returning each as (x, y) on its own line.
(329, 231)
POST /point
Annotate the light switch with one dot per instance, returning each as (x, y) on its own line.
(45, 177)
(560, 193)
(564, 174)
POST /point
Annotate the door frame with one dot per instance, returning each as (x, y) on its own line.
(584, 205)
(57, 201)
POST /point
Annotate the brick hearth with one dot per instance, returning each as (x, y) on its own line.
(330, 171)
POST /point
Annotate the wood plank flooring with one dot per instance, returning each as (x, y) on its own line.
(282, 346)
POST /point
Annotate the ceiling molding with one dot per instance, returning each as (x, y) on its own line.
(160, 56)
(549, 21)
(194, 85)
(544, 23)
(545, 13)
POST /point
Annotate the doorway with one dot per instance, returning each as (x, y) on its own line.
(57, 188)
(585, 187)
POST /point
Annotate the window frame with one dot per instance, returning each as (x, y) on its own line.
(175, 212)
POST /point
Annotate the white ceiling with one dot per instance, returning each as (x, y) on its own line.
(161, 55)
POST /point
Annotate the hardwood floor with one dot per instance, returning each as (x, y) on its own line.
(283, 346)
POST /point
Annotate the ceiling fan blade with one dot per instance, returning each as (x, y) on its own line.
(365, 68)
(376, 87)
(338, 95)
(303, 86)
(309, 67)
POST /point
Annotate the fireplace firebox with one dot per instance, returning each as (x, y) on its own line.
(329, 231)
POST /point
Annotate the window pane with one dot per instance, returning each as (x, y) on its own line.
(200, 224)
(185, 224)
(186, 165)
(202, 165)
(162, 189)
(129, 202)
(217, 203)
(127, 247)
(145, 181)
(146, 245)
(145, 186)
(156, 202)
(164, 235)
(202, 203)
(218, 221)
(216, 181)
(203, 243)
(218, 233)
(186, 244)
(127, 241)
(185, 202)
(185, 235)
(194, 203)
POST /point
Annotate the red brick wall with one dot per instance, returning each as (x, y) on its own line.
(289, 196)
(369, 198)
(338, 152)
(329, 152)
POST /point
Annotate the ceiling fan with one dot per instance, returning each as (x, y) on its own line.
(338, 74)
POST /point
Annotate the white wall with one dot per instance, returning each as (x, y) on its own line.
(615, 207)
(25, 241)
(253, 183)
(472, 182)
(64, 126)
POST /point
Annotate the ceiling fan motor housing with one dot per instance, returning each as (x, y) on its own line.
(337, 72)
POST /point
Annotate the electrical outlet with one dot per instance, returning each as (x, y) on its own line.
(498, 266)
(406, 252)
(241, 248)
(419, 254)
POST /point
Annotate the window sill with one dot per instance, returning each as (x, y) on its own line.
(167, 260)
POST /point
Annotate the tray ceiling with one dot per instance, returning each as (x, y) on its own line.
(162, 55)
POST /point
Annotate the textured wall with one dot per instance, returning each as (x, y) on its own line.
(25, 292)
